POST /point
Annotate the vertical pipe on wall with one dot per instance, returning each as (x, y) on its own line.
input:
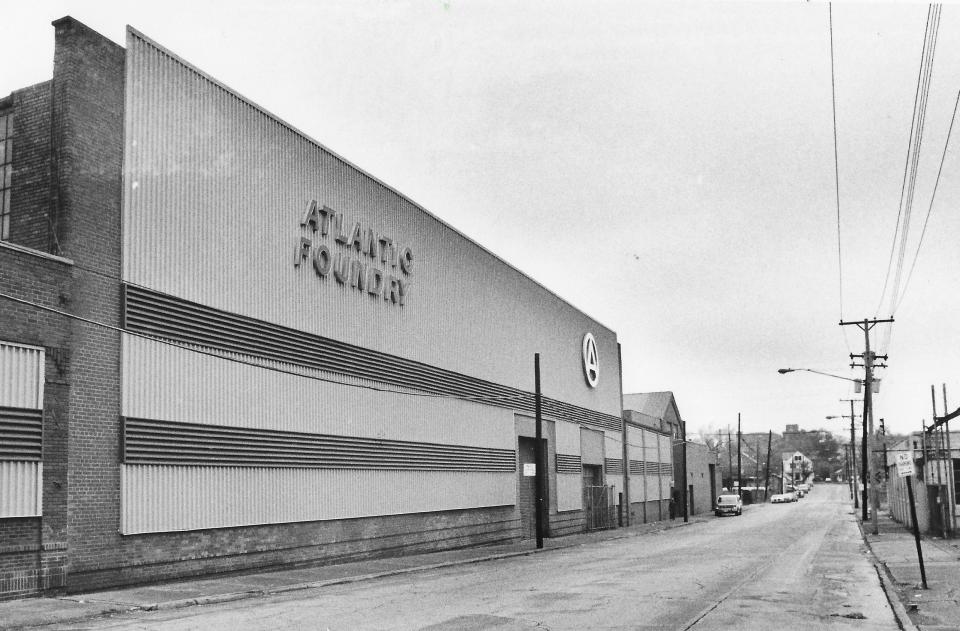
(623, 434)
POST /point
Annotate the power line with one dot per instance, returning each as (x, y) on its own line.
(836, 174)
(933, 196)
(906, 163)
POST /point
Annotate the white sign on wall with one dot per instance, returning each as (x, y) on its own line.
(591, 360)
(529, 469)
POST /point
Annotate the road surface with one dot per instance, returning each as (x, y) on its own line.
(786, 566)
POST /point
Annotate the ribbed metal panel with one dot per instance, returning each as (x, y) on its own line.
(568, 463)
(569, 492)
(164, 316)
(636, 467)
(21, 376)
(214, 391)
(21, 434)
(613, 466)
(214, 192)
(163, 442)
(20, 489)
(170, 498)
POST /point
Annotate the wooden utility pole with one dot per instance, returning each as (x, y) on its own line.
(730, 455)
(951, 478)
(739, 461)
(868, 357)
(853, 458)
(766, 480)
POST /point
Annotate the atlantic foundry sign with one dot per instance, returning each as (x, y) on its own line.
(355, 254)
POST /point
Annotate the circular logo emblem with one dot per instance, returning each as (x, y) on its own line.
(591, 360)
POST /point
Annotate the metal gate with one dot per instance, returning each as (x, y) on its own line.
(599, 510)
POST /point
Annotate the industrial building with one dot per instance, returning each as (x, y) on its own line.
(223, 347)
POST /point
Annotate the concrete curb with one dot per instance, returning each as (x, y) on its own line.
(888, 584)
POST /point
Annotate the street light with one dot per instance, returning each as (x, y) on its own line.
(853, 454)
(784, 371)
(865, 450)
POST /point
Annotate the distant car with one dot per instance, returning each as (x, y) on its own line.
(729, 505)
(783, 498)
(805, 488)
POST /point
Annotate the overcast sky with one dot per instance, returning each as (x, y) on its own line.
(668, 168)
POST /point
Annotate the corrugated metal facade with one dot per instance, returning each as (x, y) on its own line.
(21, 376)
(165, 498)
(215, 190)
(21, 389)
(569, 485)
(20, 489)
(168, 383)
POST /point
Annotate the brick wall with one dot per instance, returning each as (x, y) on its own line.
(32, 550)
(87, 129)
(30, 204)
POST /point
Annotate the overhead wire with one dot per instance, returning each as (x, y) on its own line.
(933, 196)
(836, 173)
(915, 145)
(906, 164)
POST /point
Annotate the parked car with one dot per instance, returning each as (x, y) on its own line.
(729, 505)
(783, 498)
(805, 488)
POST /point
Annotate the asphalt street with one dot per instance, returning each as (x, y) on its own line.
(790, 566)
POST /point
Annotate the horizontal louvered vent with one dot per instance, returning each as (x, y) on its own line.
(568, 464)
(165, 442)
(614, 466)
(160, 315)
(636, 467)
(21, 433)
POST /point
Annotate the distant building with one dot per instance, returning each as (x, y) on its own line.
(658, 411)
(936, 474)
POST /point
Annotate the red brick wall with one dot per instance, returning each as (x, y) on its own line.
(30, 205)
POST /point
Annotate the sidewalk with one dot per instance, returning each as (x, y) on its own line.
(936, 608)
(32, 612)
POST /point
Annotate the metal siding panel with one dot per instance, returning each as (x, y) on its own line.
(21, 376)
(161, 499)
(214, 192)
(569, 492)
(20, 494)
(216, 391)
(568, 438)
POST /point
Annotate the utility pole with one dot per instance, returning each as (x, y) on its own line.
(868, 358)
(739, 461)
(766, 481)
(756, 475)
(938, 444)
(729, 455)
(951, 478)
(853, 458)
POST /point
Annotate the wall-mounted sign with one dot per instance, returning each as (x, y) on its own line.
(904, 465)
(529, 469)
(361, 258)
(591, 360)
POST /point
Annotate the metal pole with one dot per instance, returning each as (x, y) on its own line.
(916, 529)
(626, 450)
(538, 451)
(766, 481)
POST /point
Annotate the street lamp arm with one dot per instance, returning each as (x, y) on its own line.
(784, 371)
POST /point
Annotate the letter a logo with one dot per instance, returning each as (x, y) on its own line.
(591, 360)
